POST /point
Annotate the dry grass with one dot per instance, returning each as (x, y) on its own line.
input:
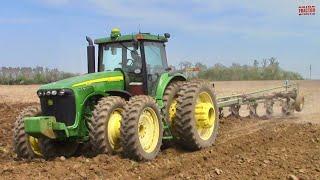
(18, 93)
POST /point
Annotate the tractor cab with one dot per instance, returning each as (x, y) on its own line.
(140, 57)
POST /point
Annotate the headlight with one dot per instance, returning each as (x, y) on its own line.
(39, 93)
(62, 92)
(48, 93)
(54, 92)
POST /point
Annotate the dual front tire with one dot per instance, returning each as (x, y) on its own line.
(141, 129)
(28, 147)
(106, 122)
(134, 127)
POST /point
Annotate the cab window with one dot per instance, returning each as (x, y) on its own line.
(121, 55)
(155, 57)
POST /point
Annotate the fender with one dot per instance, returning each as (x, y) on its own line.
(164, 80)
(122, 93)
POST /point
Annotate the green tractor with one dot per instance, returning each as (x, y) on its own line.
(132, 104)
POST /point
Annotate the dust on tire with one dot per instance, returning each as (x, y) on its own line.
(185, 124)
(100, 119)
(130, 142)
(21, 143)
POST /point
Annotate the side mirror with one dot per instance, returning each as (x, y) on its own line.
(90, 55)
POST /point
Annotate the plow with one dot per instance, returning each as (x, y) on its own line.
(131, 103)
(288, 95)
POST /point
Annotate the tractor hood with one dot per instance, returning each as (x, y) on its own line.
(85, 80)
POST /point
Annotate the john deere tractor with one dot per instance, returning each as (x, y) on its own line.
(130, 103)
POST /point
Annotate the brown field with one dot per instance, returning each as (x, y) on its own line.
(279, 148)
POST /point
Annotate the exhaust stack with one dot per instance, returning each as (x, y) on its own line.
(90, 55)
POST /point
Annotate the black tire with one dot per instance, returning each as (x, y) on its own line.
(21, 143)
(53, 148)
(86, 148)
(48, 148)
(185, 122)
(99, 131)
(130, 141)
(168, 111)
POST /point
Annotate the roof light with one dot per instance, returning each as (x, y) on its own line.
(115, 32)
(139, 36)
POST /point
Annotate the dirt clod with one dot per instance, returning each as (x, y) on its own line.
(293, 177)
(62, 158)
(218, 171)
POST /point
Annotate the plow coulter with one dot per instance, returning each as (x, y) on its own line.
(287, 95)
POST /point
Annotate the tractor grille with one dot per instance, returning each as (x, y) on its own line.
(63, 108)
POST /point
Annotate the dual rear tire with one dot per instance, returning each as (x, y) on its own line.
(197, 117)
(191, 110)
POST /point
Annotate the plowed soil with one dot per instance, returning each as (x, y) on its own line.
(279, 148)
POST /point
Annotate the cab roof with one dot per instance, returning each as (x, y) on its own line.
(139, 37)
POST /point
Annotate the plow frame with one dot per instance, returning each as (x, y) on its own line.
(286, 94)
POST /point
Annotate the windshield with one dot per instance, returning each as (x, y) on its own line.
(121, 55)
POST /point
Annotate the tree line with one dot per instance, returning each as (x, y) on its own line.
(29, 75)
(266, 69)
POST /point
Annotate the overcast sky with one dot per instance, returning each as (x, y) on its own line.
(52, 33)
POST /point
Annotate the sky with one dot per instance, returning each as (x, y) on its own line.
(51, 33)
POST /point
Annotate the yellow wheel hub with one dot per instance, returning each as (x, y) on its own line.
(172, 110)
(205, 116)
(148, 129)
(113, 128)
(34, 144)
